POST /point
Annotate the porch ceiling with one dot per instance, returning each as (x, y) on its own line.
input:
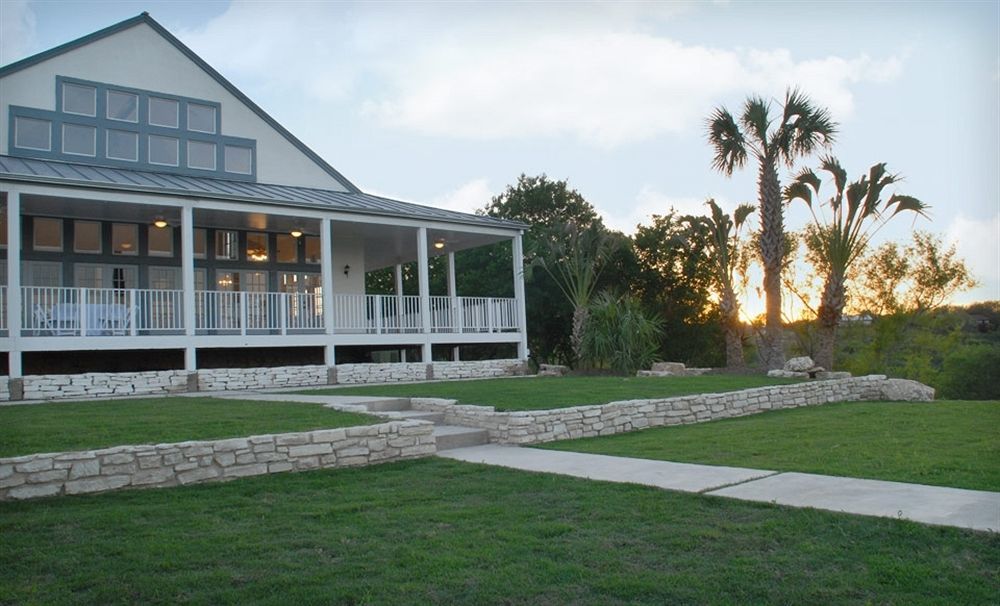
(384, 245)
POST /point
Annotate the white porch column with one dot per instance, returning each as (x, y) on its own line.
(14, 283)
(423, 279)
(187, 282)
(326, 267)
(399, 306)
(522, 316)
(456, 319)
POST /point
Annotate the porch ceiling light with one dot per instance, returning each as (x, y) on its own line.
(296, 232)
(439, 243)
(160, 222)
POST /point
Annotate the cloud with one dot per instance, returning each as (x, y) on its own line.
(597, 73)
(17, 30)
(978, 243)
(467, 198)
(649, 202)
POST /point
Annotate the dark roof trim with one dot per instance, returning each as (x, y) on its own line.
(190, 54)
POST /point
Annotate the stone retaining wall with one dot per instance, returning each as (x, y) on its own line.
(235, 379)
(479, 369)
(159, 382)
(537, 426)
(381, 373)
(4, 388)
(43, 475)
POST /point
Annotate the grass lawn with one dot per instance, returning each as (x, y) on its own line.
(59, 427)
(444, 532)
(559, 392)
(946, 443)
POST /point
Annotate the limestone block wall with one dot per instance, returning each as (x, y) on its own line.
(160, 465)
(219, 379)
(40, 387)
(479, 369)
(4, 388)
(537, 426)
(381, 373)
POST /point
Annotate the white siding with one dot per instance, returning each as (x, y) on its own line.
(140, 58)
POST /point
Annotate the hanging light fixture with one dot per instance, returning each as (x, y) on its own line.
(439, 243)
(160, 222)
(296, 232)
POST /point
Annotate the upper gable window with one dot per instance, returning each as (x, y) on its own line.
(164, 112)
(30, 133)
(79, 140)
(201, 155)
(79, 99)
(239, 160)
(163, 150)
(123, 106)
(201, 118)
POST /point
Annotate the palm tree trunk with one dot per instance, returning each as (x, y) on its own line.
(576, 337)
(772, 252)
(730, 311)
(830, 310)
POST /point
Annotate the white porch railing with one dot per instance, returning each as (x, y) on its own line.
(66, 311)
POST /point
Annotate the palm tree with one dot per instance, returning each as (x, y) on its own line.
(723, 244)
(575, 257)
(802, 129)
(835, 243)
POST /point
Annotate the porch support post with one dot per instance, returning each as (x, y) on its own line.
(326, 277)
(15, 371)
(399, 307)
(456, 321)
(522, 317)
(187, 287)
(423, 278)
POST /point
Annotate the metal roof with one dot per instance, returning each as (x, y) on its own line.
(85, 175)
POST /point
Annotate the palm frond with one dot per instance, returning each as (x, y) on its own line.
(727, 139)
(906, 203)
(741, 213)
(756, 120)
(804, 127)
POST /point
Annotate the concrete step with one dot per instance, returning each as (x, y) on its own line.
(423, 415)
(387, 404)
(453, 436)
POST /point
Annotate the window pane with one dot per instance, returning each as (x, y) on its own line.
(201, 118)
(124, 239)
(48, 234)
(161, 241)
(42, 273)
(200, 243)
(123, 145)
(32, 134)
(226, 245)
(288, 249)
(80, 140)
(123, 106)
(79, 99)
(201, 155)
(162, 150)
(88, 276)
(3, 228)
(312, 249)
(86, 237)
(163, 112)
(256, 247)
(239, 160)
(164, 278)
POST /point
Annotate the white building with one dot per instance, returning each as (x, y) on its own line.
(152, 209)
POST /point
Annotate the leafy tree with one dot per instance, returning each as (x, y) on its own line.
(835, 243)
(620, 334)
(919, 277)
(575, 257)
(674, 281)
(800, 130)
(723, 246)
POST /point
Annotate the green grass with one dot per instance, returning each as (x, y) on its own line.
(443, 532)
(57, 427)
(945, 443)
(559, 392)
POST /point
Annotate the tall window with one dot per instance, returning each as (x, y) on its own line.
(124, 239)
(227, 245)
(312, 249)
(161, 241)
(288, 249)
(48, 234)
(200, 243)
(257, 247)
(87, 237)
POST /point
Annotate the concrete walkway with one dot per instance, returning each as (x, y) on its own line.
(973, 509)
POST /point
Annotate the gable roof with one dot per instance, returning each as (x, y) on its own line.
(101, 177)
(190, 54)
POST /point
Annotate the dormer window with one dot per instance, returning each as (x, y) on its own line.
(79, 99)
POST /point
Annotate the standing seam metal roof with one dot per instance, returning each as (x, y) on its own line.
(82, 175)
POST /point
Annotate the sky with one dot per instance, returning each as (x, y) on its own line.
(447, 103)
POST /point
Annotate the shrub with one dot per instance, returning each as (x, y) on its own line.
(972, 373)
(620, 334)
